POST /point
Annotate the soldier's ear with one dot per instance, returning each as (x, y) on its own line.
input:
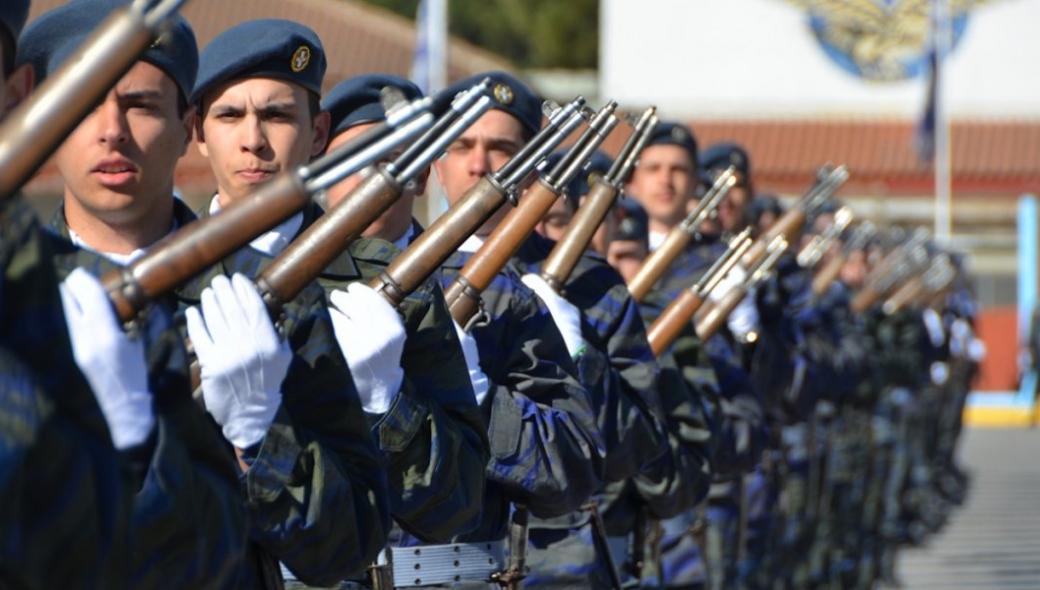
(18, 86)
(322, 125)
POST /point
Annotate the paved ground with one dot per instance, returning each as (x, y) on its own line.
(993, 542)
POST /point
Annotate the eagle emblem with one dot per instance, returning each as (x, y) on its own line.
(882, 40)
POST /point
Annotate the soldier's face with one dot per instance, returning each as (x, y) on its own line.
(15, 87)
(626, 256)
(731, 209)
(485, 147)
(254, 129)
(663, 183)
(854, 271)
(555, 222)
(119, 162)
(394, 222)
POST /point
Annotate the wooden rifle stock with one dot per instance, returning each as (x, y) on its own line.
(865, 299)
(904, 295)
(787, 226)
(827, 274)
(331, 234)
(427, 253)
(558, 267)
(181, 256)
(463, 295)
(658, 263)
(709, 325)
(670, 324)
(36, 128)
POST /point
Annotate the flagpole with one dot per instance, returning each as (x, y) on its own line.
(943, 189)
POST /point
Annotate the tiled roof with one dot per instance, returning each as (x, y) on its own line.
(988, 157)
(358, 38)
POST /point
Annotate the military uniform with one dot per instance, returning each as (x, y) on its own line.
(54, 437)
(643, 477)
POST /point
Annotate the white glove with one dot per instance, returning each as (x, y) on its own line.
(480, 381)
(566, 316)
(371, 336)
(112, 362)
(243, 359)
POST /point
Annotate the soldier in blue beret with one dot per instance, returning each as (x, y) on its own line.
(179, 496)
(545, 448)
(663, 472)
(718, 157)
(437, 477)
(258, 95)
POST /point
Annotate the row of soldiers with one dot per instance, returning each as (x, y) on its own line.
(300, 386)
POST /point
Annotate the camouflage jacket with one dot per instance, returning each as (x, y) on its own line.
(433, 437)
(546, 451)
(53, 437)
(189, 510)
(316, 491)
(643, 455)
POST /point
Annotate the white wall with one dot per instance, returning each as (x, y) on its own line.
(748, 58)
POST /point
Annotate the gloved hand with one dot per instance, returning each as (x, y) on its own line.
(566, 316)
(112, 362)
(243, 359)
(371, 336)
(480, 381)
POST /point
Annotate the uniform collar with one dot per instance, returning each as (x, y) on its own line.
(274, 241)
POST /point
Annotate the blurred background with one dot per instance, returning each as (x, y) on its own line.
(933, 105)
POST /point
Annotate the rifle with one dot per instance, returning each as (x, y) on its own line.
(667, 327)
(558, 267)
(676, 241)
(939, 275)
(463, 295)
(427, 253)
(892, 271)
(828, 180)
(716, 317)
(819, 244)
(38, 126)
(858, 241)
(326, 238)
(186, 253)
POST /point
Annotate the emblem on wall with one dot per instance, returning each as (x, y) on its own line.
(882, 40)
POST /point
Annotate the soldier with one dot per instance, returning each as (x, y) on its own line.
(644, 480)
(427, 423)
(665, 181)
(55, 433)
(186, 505)
(312, 481)
(546, 451)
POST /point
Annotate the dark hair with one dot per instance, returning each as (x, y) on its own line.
(7, 48)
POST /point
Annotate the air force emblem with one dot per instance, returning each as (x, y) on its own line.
(301, 58)
(881, 40)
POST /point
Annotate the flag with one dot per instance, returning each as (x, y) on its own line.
(429, 65)
(924, 140)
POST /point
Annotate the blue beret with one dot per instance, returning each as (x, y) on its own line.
(265, 48)
(12, 18)
(723, 155)
(633, 222)
(358, 100)
(56, 35)
(510, 95)
(597, 166)
(669, 133)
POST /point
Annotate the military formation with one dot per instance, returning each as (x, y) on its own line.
(590, 372)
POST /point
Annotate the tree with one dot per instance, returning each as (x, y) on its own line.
(529, 33)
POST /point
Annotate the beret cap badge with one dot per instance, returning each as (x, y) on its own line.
(503, 93)
(301, 58)
(678, 134)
